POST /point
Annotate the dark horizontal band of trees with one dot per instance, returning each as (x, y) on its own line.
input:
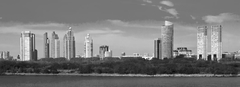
(125, 65)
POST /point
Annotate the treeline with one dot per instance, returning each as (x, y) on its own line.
(126, 65)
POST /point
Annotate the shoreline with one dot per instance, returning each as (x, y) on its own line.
(122, 75)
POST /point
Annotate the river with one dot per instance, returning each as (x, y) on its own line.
(91, 81)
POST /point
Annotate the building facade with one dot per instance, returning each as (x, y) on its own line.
(216, 42)
(108, 53)
(167, 40)
(69, 45)
(202, 42)
(183, 51)
(88, 46)
(102, 50)
(55, 46)
(157, 48)
(46, 44)
(27, 46)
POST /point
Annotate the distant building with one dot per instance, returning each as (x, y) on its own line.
(88, 46)
(108, 53)
(4, 54)
(55, 46)
(157, 48)
(136, 55)
(102, 50)
(167, 40)
(123, 54)
(202, 43)
(216, 42)
(46, 43)
(69, 45)
(183, 51)
(27, 46)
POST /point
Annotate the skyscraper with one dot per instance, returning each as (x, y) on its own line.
(46, 45)
(202, 43)
(55, 46)
(157, 48)
(69, 44)
(216, 42)
(88, 46)
(167, 40)
(102, 50)
(27, 46)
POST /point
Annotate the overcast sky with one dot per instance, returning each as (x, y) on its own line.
(125, 25)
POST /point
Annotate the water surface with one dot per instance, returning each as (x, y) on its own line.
(81, 81)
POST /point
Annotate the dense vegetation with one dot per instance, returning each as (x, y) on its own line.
(121, 66)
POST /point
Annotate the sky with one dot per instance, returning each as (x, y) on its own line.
(128, 26)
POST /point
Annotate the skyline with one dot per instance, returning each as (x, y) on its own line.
(108, 21)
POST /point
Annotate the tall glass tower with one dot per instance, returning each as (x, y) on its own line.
(167, 40)
(88, 46)
(69, 45)
(27, 46)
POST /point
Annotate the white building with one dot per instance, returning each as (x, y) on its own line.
(69, 45)
(27, 46)
(108, 53)
(88, 46)
(55, 46)
(202, 43)
(216, 42)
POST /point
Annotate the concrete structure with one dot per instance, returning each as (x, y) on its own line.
(69, 45)
(167, 40)
(216, 43)
(88, 46)
(202, 42)
(27, 46)
(102, 50)
(157, 48)
(46, 43)
(55, 46)
(183, 51)
(108, 53)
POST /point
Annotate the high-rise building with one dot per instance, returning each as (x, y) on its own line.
(167, 40)
(27, 46)
(157, 48)
(46, 43)
(216, 42)
(88, 46)
(202, 43)
(102, 50)
(55, 46)
(69, 44)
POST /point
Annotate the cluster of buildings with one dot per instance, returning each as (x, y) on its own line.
(28, 51)
(163, 47)
(216, 43)
(4, 55)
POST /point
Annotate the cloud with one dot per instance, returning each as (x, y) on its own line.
(223, 17)
(171, 11)
(194, 18)
(136, 24)
(147, 1)
(167, 3)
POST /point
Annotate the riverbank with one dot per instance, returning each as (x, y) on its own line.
(125, 75)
